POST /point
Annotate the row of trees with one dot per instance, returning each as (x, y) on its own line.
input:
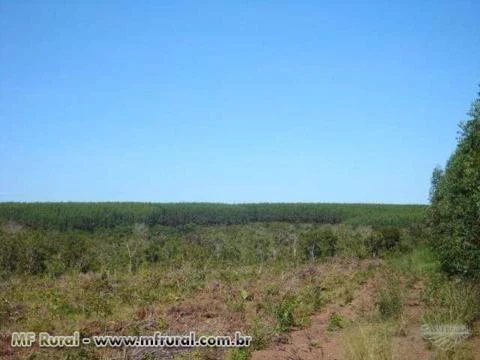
(92, 216)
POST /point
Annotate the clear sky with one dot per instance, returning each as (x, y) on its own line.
(232, 101)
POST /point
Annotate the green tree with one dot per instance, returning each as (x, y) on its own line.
(455, 202)
(437, 176)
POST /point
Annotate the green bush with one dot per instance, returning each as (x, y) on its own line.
(391, 237)
(262, 335)
(319, 243)
(239, 354)
(335, 322)
(383, 239)
(284, 312)
(23, 253)
(374, 243)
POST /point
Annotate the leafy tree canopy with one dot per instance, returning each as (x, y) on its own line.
(455, 197)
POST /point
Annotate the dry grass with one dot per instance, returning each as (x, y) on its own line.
(367, 342)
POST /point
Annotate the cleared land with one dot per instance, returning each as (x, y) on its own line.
(352, 282)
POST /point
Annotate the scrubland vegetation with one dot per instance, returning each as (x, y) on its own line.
(54, 252)
(306, 281)
(265, 279)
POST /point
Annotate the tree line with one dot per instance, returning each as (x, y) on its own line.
(92, 216)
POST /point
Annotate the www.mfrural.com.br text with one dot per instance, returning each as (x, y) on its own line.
(157, 339)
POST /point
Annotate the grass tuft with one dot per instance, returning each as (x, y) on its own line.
(372, 342)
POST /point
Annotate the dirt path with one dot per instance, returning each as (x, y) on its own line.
(312, 343)
(318, 343)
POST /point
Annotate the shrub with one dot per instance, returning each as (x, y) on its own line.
(284, 313)
(262, 335)
(391, 237)
(335, 322)
(374, 243)
(319, 243)
(238, 354)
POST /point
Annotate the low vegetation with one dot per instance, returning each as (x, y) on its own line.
(52, 252)
(368, 342)
(259, 278)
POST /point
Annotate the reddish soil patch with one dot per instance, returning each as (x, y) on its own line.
(317, 343)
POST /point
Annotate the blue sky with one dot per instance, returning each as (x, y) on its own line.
(232, 101)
